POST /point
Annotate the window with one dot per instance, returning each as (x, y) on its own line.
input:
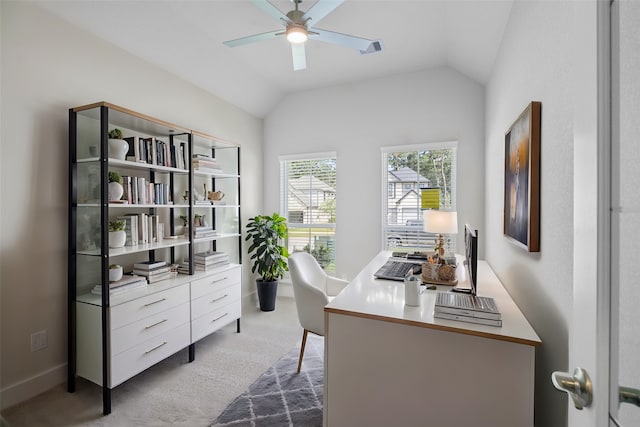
(416, 177)
(308, 201)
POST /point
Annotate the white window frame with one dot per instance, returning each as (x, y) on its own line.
(284, 209)
(420, 235)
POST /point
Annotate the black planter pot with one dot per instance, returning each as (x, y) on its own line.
(267, 294)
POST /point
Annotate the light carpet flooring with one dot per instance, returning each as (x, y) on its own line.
(175, 392)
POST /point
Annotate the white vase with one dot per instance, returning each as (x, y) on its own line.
(115, 274)
(118, 148)
(117, 239)
(115, 191)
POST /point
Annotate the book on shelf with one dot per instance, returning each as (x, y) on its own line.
(468, 319)
(159, 277)
(202, 232)
(149, 265)
(152, 272)
(126, 284)
(130, 229)
(207, 255)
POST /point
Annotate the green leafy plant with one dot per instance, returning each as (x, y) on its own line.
(269, 256)
(321, 253)
(114, 266)
(117, 225)
(115, 133)
(115, 177)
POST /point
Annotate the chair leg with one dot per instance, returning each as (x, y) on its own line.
(304, 342)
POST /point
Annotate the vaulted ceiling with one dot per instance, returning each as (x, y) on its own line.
(185, 38)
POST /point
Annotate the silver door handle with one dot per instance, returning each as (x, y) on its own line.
(629, 395)
(577, 386)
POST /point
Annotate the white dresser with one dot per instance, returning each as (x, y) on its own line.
(149, 325)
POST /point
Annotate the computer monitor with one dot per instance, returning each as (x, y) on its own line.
(471, 256)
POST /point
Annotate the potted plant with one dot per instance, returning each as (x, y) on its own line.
(117, 235)
(115, 189)
(269, 256)
(118, 147)
(115, 272)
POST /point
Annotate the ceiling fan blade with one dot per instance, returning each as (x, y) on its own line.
(321, 9)
(299, 56)
(252, 39)
(359, 43)
(270, 9)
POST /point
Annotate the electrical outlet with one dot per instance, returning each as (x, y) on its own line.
(38, 340)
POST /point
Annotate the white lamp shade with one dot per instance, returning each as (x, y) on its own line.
(441, 222)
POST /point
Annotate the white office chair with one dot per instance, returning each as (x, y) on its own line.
(313, 289)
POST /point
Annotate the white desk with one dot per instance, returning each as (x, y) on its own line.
(390, 364)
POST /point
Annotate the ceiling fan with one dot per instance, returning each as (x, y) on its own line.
(300, 26)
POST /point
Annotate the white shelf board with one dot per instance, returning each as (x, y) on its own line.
(126, 250)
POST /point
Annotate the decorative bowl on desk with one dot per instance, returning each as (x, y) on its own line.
(440, 274)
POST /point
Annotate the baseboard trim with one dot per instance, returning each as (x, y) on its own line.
(32, 386)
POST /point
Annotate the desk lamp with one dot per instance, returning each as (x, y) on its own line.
(440, 222)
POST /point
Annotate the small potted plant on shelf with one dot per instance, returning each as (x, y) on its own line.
(117, 235)
(269, 256)
(115, 272)
(118, 147)
(115, 189)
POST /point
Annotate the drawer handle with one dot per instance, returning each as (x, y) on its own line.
(155, 348)
(218, 299)
(155, 324)
(155, 302)
(218, 318)
(218, 280)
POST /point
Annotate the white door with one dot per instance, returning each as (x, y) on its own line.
(625, 236)
(607, 225)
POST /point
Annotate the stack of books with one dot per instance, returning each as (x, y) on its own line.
(126, 284)
(153, 271)
(204, 163)
(210, 259)
(204, 261)
(202, 232)
(467, 308)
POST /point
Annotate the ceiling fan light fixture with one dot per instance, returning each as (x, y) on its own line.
(297, 34)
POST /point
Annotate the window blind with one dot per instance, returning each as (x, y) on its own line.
(416, 177)
(308, 201)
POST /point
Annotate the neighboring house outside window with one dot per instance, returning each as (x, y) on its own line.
(308, 201)
(410, 175)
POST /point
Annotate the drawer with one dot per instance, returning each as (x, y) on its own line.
(140, 308)
(135, 360)
(214, 300)
(219, 280)
(141, 330)
(211, 322)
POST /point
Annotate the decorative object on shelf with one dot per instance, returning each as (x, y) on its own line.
(522, 179)
(118, 147)
(117, 235)
(270, 257)
(440, 222)
(115, 186)
(215, 196)
(115, 272)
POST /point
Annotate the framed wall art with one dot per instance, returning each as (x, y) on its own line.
(522, 179)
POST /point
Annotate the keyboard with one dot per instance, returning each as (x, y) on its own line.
(397, 270)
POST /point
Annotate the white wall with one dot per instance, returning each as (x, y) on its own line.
(355, 120)
(47, 68)
(538, 62)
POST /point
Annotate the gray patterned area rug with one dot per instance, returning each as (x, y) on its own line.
(281, 396)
